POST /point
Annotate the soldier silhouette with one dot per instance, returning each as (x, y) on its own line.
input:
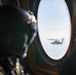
(18, 29)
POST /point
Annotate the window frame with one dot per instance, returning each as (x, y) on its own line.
(37, 40)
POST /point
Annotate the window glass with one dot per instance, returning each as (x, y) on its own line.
(54, 27)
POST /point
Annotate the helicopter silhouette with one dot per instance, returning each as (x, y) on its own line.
(56, 41)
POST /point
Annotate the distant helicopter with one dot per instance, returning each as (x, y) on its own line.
(56, 41)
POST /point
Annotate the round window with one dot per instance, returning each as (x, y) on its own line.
(54, 29)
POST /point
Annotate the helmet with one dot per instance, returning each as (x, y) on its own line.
(18, 29)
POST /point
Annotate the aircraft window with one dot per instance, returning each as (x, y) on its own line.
(54, 27)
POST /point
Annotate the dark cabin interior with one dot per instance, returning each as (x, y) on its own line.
(34, 63)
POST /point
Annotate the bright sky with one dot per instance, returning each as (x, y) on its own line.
(54, 23)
